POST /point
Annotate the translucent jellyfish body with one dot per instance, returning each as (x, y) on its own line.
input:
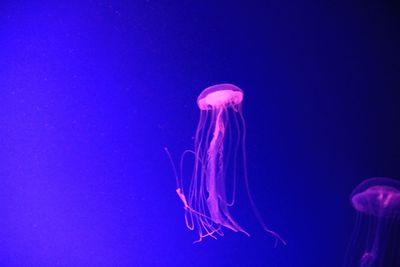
(219, 161)
(375, 239)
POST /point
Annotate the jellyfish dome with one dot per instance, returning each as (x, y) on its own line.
(220, 96)
(379, 197)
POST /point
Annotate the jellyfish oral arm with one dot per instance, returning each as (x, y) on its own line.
(215, 180)
(214, 154)
(369, 257)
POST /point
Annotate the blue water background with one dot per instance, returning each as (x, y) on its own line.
(92, 91)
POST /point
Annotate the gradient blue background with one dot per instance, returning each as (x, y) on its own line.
(91, 92)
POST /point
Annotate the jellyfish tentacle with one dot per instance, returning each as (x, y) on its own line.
(277, 237)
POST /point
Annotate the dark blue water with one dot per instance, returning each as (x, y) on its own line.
(91, 92)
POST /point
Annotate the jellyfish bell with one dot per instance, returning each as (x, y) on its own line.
(220, 96)
(379, 197)
(375, 237)
(219, 160)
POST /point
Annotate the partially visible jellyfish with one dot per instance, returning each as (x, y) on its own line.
(377, 202)
(219, 159)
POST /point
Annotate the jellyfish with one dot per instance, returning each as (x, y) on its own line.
(377, 202)
(219, 149)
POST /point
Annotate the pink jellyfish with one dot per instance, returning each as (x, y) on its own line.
(219, 144)
(379, 200)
